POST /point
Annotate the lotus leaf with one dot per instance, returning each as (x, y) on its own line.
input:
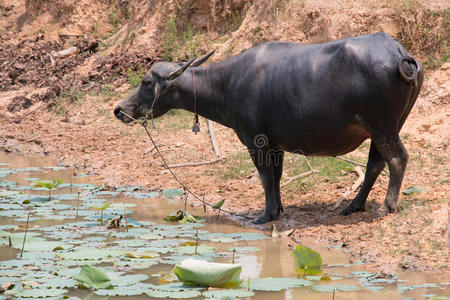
(277, 284)
(171, 294)
(224, 294)
(90, 253)
(192, 249)
(93, 277)
(39, 293)
(199, 272)
(127, 290)
(172, 193)
(307, 261)
(330, 288)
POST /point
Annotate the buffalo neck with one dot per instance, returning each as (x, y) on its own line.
(210, 100)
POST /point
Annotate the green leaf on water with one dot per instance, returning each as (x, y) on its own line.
(325, 277)
(307, 259)
(93, 277)
(183, 217)
(413, 190)
(218, 204)
(276, 284)
(103, 207)
(48, 184)
(202, 273)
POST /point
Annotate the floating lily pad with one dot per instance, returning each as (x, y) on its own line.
(243, 249)
(227, 294)
(276, 284)
(138, 263)
(127, 290)
(142, 195)
(127, 280)
(90, 253)
(192, 249)
(175, 295)
(172, 193)
(39, 293)
(330, 288)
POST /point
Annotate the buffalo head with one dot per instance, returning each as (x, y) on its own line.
(153, 93)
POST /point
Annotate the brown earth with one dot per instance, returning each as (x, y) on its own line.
(61, 106)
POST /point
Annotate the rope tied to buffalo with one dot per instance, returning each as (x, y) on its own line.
(143, 123)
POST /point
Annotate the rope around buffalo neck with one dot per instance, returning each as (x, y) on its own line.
(143, 123)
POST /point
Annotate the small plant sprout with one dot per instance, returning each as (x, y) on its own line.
(218, 205)
(204, 205)
(78, 204)
(25, 235)
(196, 241)
(101, 209)
(48, 184)
(26, 229)
(185, 198)
(125, 212)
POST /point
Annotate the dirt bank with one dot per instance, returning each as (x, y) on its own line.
(63, 109)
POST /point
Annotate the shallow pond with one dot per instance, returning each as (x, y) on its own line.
(58, 243)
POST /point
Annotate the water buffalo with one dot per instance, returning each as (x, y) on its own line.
(321, 99)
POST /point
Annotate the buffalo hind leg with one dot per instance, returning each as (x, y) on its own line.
(375, 165)
(277, 164)
(394, 153)
(268, 174)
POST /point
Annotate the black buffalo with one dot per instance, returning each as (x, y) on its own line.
(322, 99)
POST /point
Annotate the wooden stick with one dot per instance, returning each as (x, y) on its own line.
(196, 164)
(213, 138)
(351, 161)
(290, 179)
(354, 187)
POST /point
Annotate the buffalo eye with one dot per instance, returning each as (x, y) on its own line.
(146, 82)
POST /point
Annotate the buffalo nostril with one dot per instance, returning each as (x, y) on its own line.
(117, 112)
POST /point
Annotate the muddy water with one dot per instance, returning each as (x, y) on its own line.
(273, 259)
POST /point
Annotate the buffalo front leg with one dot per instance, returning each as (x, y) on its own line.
(375, 165)
(270, 178)
(394, 153)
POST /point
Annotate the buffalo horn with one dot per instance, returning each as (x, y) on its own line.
(202, 59)
(179, 71)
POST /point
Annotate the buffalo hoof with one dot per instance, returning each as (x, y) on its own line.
(351, 209)
(265, 218)
(384, 211)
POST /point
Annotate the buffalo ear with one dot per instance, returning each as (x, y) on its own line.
(179, 71)
(202, 59)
